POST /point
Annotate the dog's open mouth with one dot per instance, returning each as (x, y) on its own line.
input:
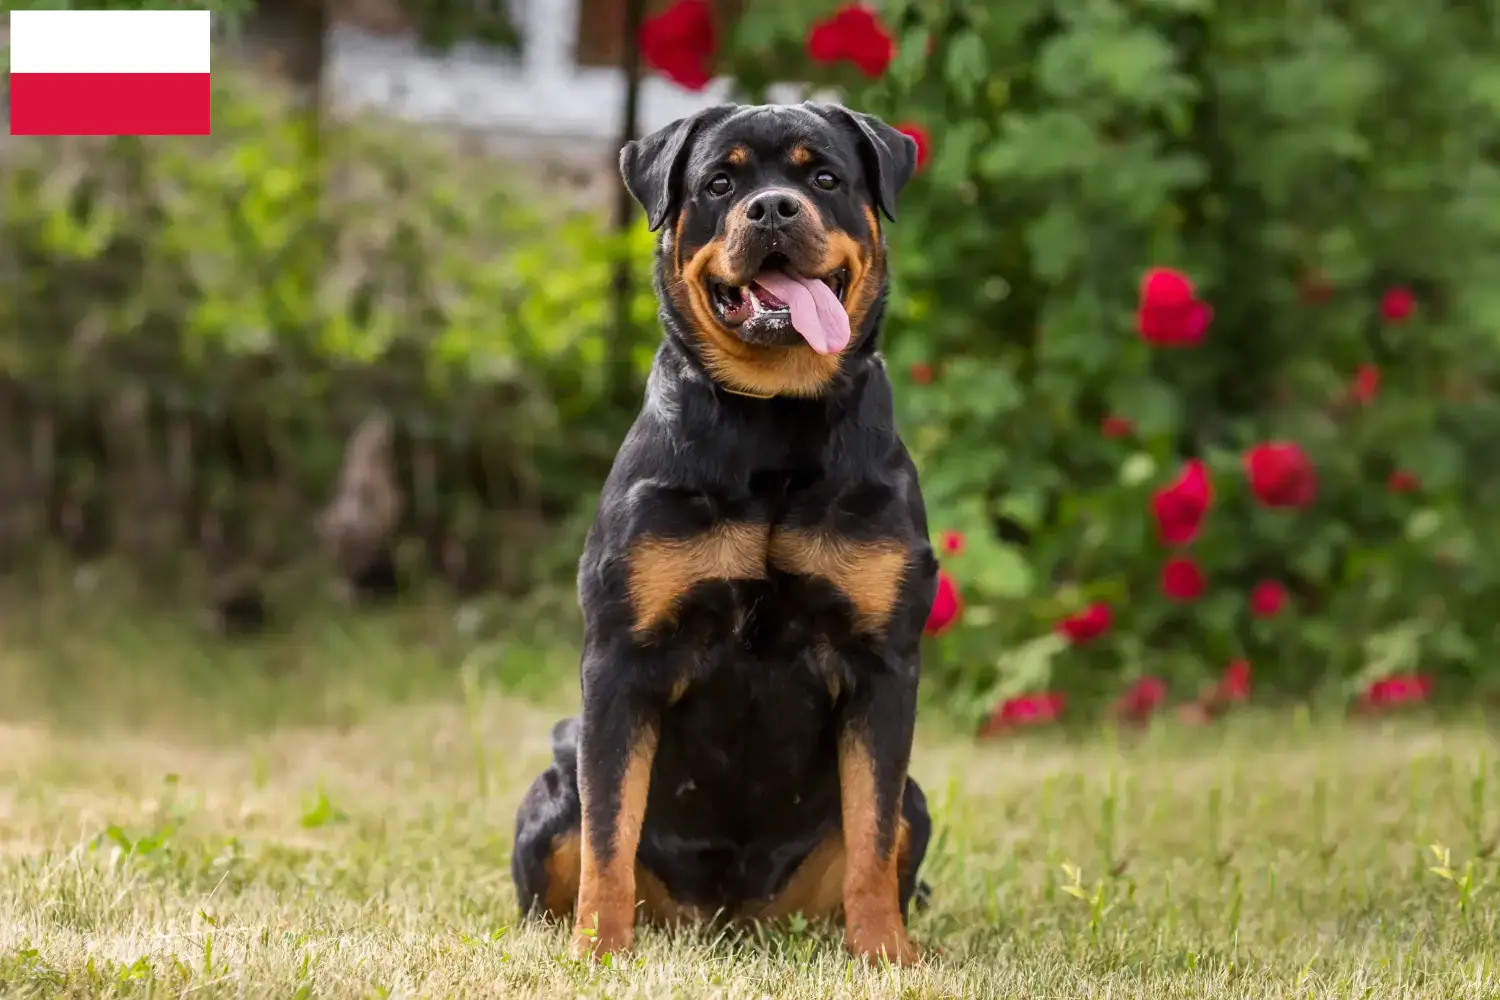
(814, 307)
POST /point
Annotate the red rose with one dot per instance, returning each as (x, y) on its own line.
(1182, 580)
(1396, 691)
(1169, 313)
(1024, 710)
(1234, 686)
(855, 33)
(1116, 427)
(1397, 304)
(825, 42)
(1180, 505)
(1142, 699)
(951, 542)
(1267, 599)
(1281, 475)
(921, 373)
(1087, 625)
(946, 605)
(680, 43)
(1401, 481)
(1366, 385)
(919, 136)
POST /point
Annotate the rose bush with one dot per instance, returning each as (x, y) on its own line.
(1191, 353)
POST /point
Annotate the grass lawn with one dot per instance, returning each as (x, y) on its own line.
(330, 816)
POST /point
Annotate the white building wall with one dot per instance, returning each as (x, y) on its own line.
(543, 93)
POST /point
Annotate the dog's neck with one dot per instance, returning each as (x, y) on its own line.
(678, 372)
(724, 433)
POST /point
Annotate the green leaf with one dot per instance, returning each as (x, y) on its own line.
(1006, 574)
(1024, 508)
(1423, 524)
(1178, 6)
(1437, 461)
(1134, 64)
(1149, 403)
(1135, 67)
(1027, 667)
(321, 812)
(1138, 469)
(967, 66)
(952, 160)
(1042, 146)
(911, 57)
(1059, 240)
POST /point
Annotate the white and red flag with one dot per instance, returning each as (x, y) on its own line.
(109, 72)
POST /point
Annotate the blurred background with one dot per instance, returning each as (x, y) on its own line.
(1195, 331)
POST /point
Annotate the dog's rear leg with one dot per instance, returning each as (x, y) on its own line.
(916, 824)
(874, 750)
(546, 858)
(617, 744)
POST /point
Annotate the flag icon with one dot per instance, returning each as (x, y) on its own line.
(109, 72)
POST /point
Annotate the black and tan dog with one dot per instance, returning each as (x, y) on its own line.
(758, 575)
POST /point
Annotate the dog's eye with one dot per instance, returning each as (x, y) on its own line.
(719, 185)
(825, 180)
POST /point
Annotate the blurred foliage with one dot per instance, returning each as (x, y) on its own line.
(444, 23)
(1296, 162)
(248, 299)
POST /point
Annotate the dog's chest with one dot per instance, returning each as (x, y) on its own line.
(772, 569)
(815, 574)
(783, 611)
(775, 612)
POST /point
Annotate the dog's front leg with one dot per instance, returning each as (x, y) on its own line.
(874, 751)
(632, 594)
(617, 743)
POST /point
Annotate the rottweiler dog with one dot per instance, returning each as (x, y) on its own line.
(757, 577)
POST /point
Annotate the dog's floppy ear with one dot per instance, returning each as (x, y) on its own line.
(652, 167)
(888, 156)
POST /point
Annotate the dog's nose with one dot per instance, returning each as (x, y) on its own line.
(770, 209)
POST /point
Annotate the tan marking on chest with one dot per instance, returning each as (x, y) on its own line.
(868, 574)
(664, 570)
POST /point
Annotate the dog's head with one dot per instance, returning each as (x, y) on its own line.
(772, 255)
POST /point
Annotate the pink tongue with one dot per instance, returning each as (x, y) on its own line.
(816, 311)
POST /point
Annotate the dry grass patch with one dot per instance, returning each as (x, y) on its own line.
(372, 860)
(329, 814)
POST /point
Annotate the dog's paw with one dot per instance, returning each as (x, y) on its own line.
(596, 943)
(898, 949)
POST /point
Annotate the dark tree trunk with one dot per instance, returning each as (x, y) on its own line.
(622, 380)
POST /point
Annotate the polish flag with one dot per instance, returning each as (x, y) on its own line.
(109, 72)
